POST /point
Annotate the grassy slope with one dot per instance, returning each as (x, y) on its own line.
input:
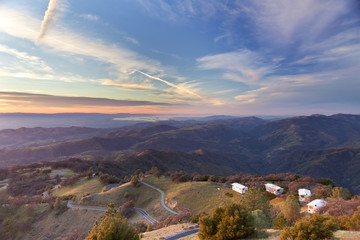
(51, 227)
(196, 196)
(21, 218)
(81, 188)
(142, 196)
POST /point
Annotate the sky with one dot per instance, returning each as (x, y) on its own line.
(240, 57)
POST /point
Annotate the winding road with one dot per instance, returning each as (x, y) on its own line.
(142, 212)
(162, 197)
(182, 234)
(145, 215)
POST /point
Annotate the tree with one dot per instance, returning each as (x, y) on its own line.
(339, 192)
(127, 209)
(315, 227)
(229, 222)
(280, 222)
(261, 221)
(254, 199)
(59, 207)
(134, 182)
(355, 221)
(112, 227)
(138, 173)
(322, 192)
(291, 209)
(109, 179)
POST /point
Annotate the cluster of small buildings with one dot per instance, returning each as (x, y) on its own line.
(304, 194)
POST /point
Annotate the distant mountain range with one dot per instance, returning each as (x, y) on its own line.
(317, 145)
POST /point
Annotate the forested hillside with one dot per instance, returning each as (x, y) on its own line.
(318, 145)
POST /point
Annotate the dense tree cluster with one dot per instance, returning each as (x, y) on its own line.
(108, 179)
(34, 183)
(227, 223)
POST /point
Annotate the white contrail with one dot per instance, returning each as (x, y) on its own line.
(49, 18)
(169, 84)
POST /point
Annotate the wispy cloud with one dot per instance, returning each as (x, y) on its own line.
(180, 10)
(242, 66)
(128, 86)
(21, 72)
(89, 17)
(290, 22)
(123, 62)
(33, 61)
(132, 40)
(316, 52)
(68, 101)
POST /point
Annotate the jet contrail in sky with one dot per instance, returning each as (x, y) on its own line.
(49, 19)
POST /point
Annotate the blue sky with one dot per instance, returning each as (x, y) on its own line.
(245, 57)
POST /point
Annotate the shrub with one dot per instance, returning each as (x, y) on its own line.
(339, 192)
(140, 227)
(59, 207)
(338, 206)
(127, 209)
(109, 179)
(291, 209)
(261, 221)
(346, 222)
(315, 227)
(323, 192)
(255, 198)
(229, 194)
(228, 222)
(112, 227)
(196, 217)
(183, 216)
(134, 182)
(280, 222)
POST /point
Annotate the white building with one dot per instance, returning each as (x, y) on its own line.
(239, 188)
(304, 194)
(271, 188)
(314, 206)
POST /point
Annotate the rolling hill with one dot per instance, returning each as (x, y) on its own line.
(317, 145)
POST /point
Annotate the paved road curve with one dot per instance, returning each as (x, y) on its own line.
(182, 234)
(145, 215)
(162, 197)
(142, 212)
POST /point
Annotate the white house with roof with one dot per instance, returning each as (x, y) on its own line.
(314, 206)
(304, 194)
(239, 188)
(272, 188)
